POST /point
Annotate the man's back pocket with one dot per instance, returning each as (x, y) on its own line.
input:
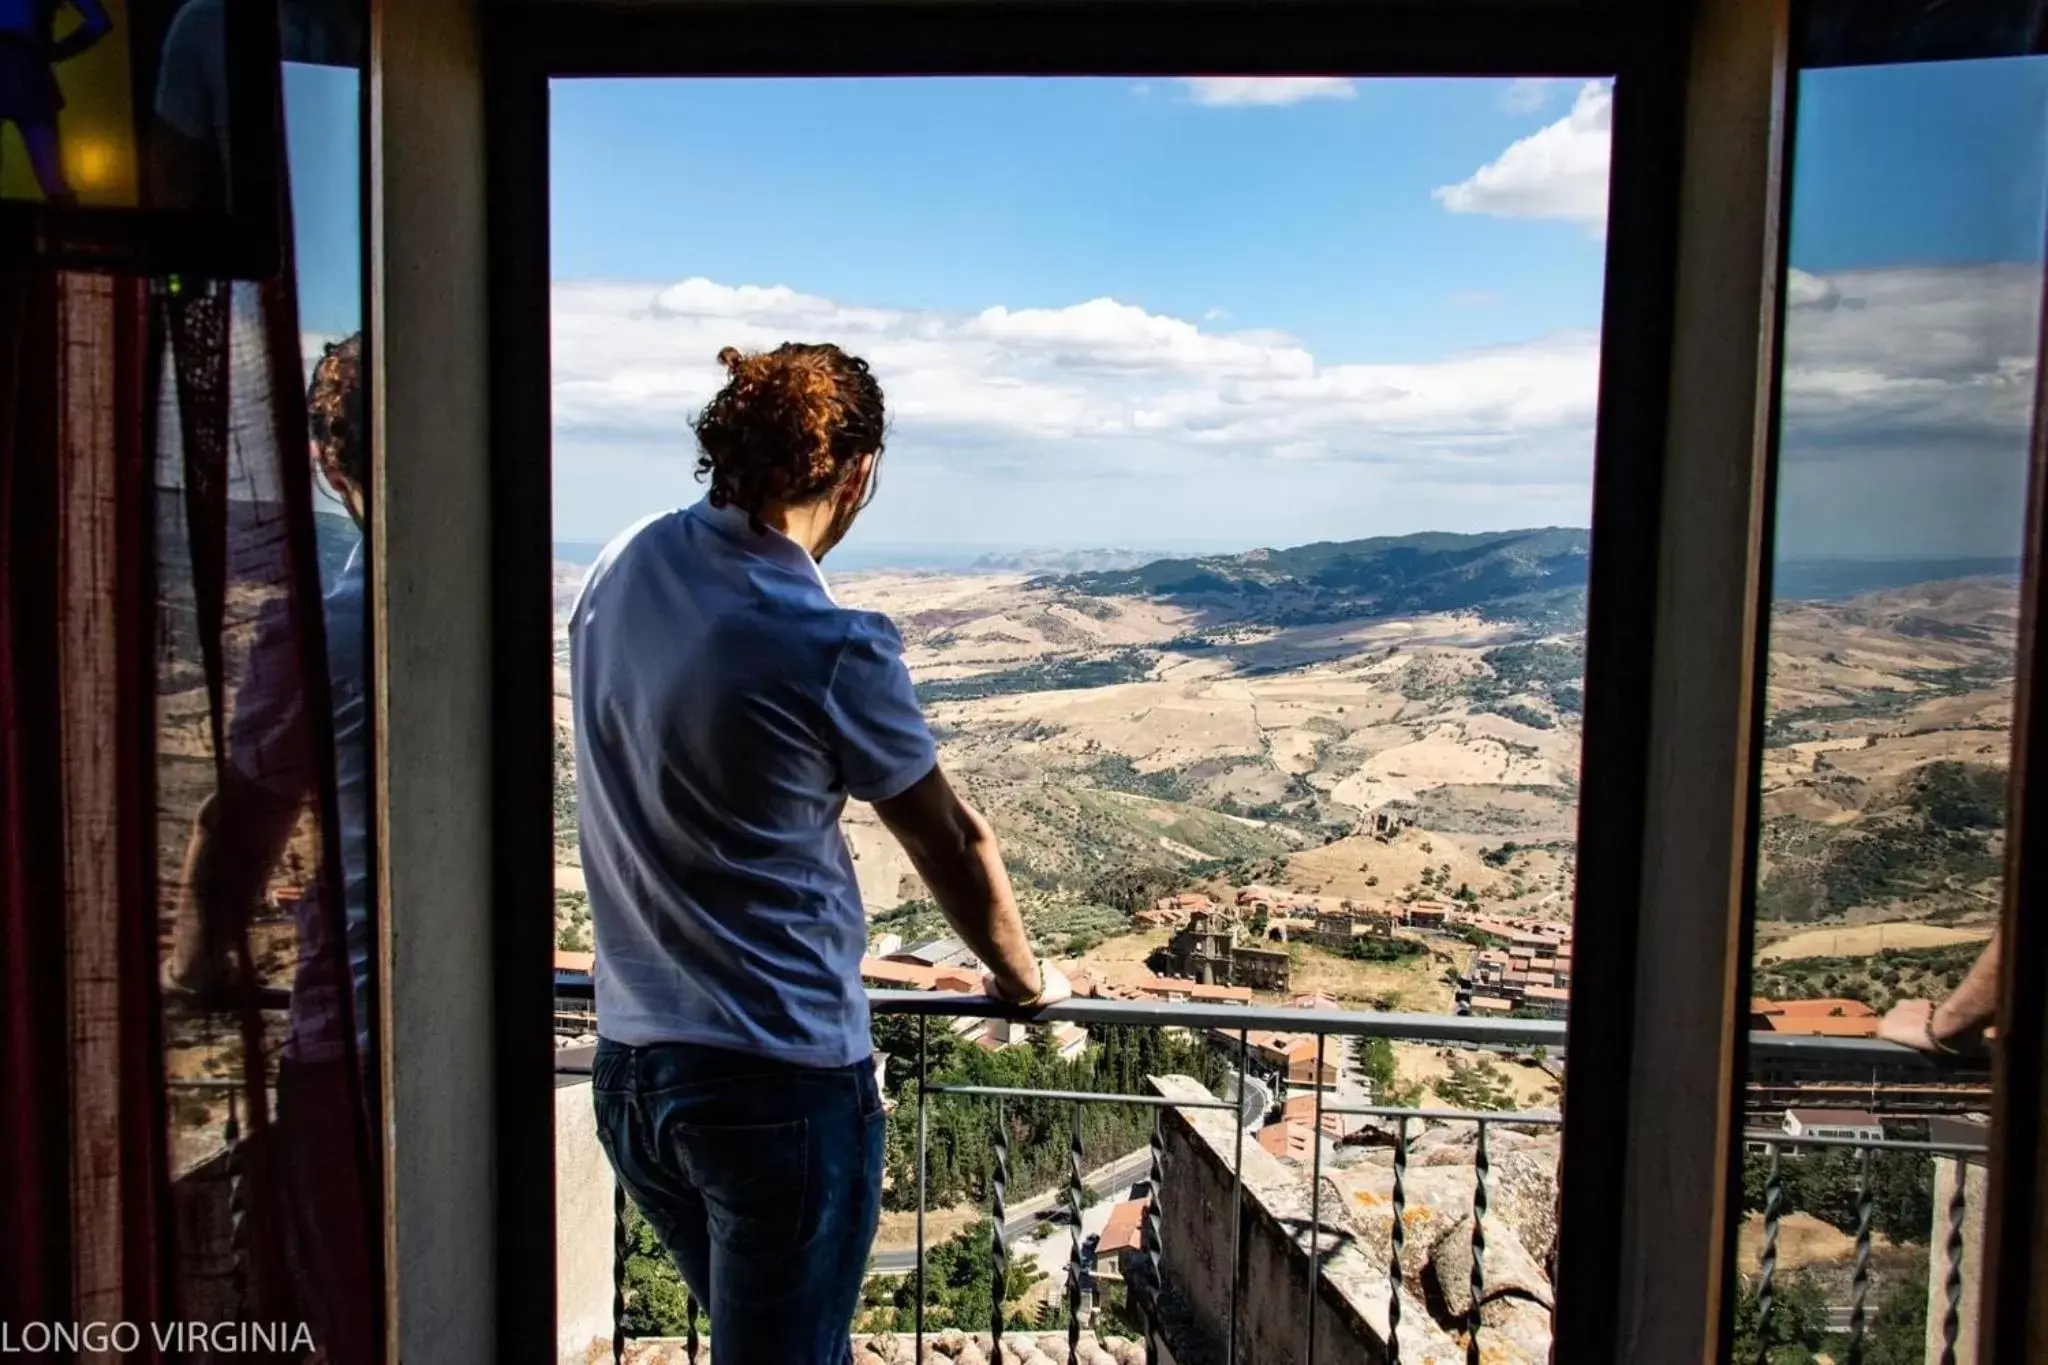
(754, 1179)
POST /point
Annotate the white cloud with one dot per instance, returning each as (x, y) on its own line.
(1527, 94)
(1804, 290)
(1267, 89)
(1907, 397)
(1099, 420)
(1054, 389)
(1910, 355)
(1558, 171)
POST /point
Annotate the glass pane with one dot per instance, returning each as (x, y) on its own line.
(1233, 516)
(269, 1046)
(1910, 335)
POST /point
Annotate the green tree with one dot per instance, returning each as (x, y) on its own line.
(1798, 1326)
(1476, 1085)
(961, 1129)
(1897, 1332)
(657, 1301)
(1131, 887)
(1824, 1183)
(1374, 1058)
(959, 1287)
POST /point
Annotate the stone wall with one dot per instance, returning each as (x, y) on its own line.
(1355, 1214)
(583, 1231)
(1195, 1241)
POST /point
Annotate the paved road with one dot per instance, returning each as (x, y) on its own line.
(1025, 1215)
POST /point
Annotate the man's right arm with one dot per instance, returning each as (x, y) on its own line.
(1958, 1023)
(955, 852)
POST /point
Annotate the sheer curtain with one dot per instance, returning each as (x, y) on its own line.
(185, 1129)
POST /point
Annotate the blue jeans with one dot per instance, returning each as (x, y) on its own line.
(762, 1179)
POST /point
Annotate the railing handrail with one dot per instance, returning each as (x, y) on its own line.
(1427, 1028)
(1454, 1028)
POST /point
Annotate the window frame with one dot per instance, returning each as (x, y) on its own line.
(1691, 83)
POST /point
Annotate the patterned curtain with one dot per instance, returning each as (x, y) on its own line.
(185, 1128)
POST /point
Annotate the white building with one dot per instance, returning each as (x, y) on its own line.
(1857, 1124)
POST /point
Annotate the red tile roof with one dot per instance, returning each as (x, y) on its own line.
(1125, 1230)
(880, 971)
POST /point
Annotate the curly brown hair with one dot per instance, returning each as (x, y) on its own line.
(789, 425)
(334, 411)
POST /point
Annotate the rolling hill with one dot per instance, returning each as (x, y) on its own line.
(1535, 576)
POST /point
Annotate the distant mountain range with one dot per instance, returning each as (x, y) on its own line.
(1825, 579)
(1062, 561)
(858, 558)
(1536, 575)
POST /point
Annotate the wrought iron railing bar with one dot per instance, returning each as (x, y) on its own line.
(1767, 1268)
(1244, 1045)
(238, 1209)
(1074, 1192)
(917, 1313)
(1952, 1281)
(1315, 1205)
(999, 1250)
(1399, 1237)
(1859, 1282)
(618, 1273)
(1481, 1164)
(1150, 1234)
(1078, 1096)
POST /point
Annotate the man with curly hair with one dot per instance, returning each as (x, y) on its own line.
(726, 707)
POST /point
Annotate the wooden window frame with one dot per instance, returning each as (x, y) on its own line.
(460, 335)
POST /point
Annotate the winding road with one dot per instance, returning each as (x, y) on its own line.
(1026, 1214)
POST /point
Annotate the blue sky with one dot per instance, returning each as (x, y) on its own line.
(321, 136)
(1313, 218)
(1080, 295)
(1171, 314)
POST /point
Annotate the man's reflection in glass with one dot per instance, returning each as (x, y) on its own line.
(241, 839)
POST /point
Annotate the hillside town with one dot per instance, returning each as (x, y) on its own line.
(1231, 951)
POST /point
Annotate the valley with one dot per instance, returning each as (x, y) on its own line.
(1202, 724)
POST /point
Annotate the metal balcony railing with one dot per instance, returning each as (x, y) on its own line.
(1830, 1055)
(1775, 1144)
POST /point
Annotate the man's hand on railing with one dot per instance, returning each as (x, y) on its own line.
(1051, 988)
(1960, 1025)
(1918, 1024)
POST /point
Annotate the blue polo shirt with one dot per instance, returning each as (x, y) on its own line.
(725, 709)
